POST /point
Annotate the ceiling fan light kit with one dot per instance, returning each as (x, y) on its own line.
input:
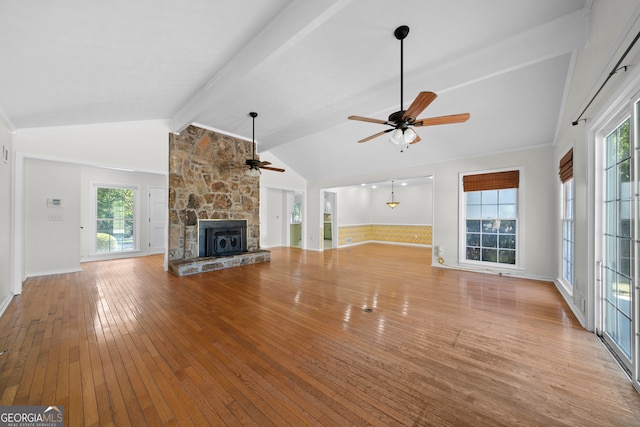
(403, 121)
(397, 137)
(403, 138)
(253, 172)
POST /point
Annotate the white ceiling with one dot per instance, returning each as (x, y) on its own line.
(304, 66)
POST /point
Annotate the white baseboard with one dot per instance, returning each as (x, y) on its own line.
(496, 272)
(50, 272)
(568, 298)
(384, 242)
(5, 303)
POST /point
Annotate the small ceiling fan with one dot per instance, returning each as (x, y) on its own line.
(403, 121)
(255, 164)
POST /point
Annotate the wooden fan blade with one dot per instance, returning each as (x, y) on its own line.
(272, 168)
(367, 119)
(443, 120)
(265, 163)
(418, 139)
(421, 102)
(369, 138)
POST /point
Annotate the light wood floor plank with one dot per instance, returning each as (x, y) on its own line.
(288, 343)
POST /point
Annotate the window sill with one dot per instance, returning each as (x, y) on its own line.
(113, 255)
(566, 287)
(490, 267)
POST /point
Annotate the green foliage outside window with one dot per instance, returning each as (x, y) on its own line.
(115, 210)
(106, 242)
(296, 215)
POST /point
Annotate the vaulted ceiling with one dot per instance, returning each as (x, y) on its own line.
(304, 66)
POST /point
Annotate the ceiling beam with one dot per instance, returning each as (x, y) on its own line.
(296, 21)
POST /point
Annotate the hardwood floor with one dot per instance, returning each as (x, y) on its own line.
(289, 343)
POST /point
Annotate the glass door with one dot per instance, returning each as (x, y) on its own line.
(619, 224)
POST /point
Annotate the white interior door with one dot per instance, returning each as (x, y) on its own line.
(157, 219)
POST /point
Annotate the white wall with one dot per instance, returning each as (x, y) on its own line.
(288, 180)
(367, 205)
(6, 209)
(52, 234)
(354, 205)
(271, 218)
(138, 146)
(415, 208)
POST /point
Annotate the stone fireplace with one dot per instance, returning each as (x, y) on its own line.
(211, 198)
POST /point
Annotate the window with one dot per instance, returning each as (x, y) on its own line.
(491, 217)
(296, 215)
(567, 232)
(115, 219)
(566, 177)
(618, 239)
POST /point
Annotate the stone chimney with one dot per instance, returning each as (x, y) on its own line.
(208, 180)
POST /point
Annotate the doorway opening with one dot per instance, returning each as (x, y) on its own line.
(329, 228)
(282, 218)
(294, 216)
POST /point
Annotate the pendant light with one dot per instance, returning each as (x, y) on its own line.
(392, 204)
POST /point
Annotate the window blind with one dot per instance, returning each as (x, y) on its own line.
(491, 181)
(566, 167)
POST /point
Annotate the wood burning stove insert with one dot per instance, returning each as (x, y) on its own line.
(218, 237)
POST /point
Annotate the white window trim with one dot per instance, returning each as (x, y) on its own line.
(567, 287)
(93, 255)
(462, 231)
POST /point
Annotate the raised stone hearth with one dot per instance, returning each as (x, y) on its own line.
(186, 267)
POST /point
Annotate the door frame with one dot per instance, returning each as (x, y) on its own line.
(603, 123)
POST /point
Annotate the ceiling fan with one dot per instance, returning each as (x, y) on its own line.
(255, 164)
(403, 121)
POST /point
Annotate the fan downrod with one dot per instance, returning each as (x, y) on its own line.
(401, 32)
